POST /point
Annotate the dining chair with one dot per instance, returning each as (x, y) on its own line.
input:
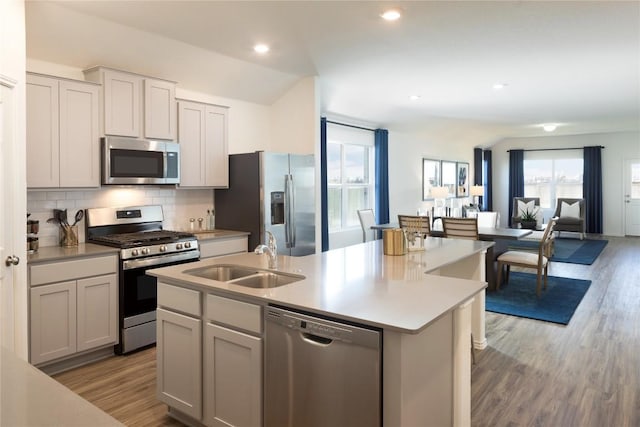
(415, 227)
(367, 220)
(538, 260)
(461, 228)
(418, 224)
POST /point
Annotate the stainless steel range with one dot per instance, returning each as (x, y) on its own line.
(138, 232)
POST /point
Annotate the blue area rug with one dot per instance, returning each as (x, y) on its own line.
(572, 251)
(518, 298)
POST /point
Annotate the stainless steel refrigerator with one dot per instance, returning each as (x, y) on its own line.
(270, 192)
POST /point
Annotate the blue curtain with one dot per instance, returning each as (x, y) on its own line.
(382, 175)
(592, 188)
(516, 177)
(323, 185)
(487, 202)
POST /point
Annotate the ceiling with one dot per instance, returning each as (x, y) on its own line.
(576, 64)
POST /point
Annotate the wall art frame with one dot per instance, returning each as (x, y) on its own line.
(430, 177)
(462, 179)
(449, 177)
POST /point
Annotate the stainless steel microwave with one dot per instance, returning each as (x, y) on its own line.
(138, 161)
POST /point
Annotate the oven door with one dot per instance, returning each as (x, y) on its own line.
(138, 299)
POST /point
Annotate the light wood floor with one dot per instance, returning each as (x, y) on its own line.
(532, 373)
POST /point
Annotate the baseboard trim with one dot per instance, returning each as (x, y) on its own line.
(58, 366)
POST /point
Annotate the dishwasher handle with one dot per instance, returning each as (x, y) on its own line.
(316, 339)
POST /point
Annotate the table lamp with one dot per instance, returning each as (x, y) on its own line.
(476, 192)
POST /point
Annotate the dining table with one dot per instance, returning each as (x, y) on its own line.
(501, 236)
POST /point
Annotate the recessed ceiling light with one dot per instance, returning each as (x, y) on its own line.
(414, 97)
(549, 127)
(391, 15)
(261, 48)
(499, 86)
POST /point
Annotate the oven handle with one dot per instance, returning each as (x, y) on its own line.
(130, 264)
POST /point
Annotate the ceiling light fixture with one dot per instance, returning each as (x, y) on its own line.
(499, 86)
(261, 48)
(414, 97)
(549, 127)
(391, 15)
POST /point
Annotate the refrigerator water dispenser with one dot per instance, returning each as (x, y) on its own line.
(277, 207)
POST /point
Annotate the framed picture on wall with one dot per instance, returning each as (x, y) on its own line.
(449, 177)
(430, 177)
(462, 179)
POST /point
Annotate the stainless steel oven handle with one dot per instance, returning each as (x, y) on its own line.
(130, 264)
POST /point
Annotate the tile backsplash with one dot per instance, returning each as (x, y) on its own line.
(178, 205)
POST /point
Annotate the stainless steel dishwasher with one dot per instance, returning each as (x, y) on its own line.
(320, 372)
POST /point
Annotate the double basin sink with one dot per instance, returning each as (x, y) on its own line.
(245, 276)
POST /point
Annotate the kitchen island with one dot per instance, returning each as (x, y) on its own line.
(425, 320)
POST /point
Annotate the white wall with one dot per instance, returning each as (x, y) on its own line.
(295, 119)
(618, 147)
(406, 151)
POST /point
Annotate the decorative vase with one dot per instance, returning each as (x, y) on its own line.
(528, 224)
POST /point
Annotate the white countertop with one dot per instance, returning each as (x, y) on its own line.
(31, 398)
(357, 283)
(58, 253)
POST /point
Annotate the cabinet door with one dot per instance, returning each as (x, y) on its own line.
(42, 132)
(179, 358)
(216, 149)
(97, 317)
(233, 378)
(159, 109)
(53, 321)
(191, 136)
(122, 103)
(79, 135)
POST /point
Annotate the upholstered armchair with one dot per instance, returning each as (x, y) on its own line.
(517, 204)
(571, 216)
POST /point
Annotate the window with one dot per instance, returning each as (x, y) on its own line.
(350, 176)
(552, 174)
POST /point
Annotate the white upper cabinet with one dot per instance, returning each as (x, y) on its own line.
(159, 109)
(136, 105)
(121, 103)
(62, 133)
(202, 134)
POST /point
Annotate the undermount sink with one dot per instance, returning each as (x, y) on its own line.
(245, 276)
(267, 279)
(222, 273)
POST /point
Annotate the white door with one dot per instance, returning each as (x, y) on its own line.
(632, 197)
(13, 248)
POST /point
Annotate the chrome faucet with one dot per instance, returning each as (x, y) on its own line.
(271, 249)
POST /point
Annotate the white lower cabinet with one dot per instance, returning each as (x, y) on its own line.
(73, 307)
(74, 316)
(53, 321)
(97, 311)
(220, 247)
(233, 378)
(179, 362)
(213, 375)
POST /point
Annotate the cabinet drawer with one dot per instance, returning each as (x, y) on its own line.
(211, 248)
(235, 313)
(179, 299)
(41, 274)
